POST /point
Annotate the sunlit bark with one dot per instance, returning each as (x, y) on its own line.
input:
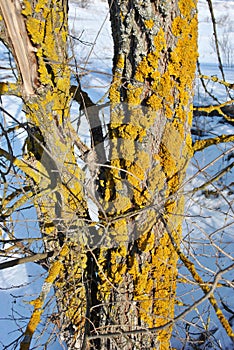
(55, 179)
(155, 52)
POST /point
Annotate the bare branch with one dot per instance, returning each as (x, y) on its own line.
(214, 178)
(24, 260)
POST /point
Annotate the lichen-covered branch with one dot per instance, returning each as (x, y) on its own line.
(49, 161)
(204, 286)
(215, 79)
(10, 89)
(220, 109)
(200, 145)
(38, 303)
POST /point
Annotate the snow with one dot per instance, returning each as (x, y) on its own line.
(209, 216)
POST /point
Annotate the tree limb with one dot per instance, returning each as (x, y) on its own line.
(10, 89)
(214, 178)
(24, 260)
(200, 145)
(215, 79)
(225, 110)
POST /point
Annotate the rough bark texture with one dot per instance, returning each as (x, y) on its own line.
(128, 281)
(56, 182)
(155, 51)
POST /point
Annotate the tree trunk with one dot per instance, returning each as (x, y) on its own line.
(155, 52)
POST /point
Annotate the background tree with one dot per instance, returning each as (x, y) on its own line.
(114, 278)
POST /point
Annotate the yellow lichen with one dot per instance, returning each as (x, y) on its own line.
(167, 94)
(54, 271)
(143, 70)
(27, 8)
(155, 102)
(186, 7)
(146, 241)
(160, 41)
(149, 23)
(134, 95)
(35, 28)
(37, 303)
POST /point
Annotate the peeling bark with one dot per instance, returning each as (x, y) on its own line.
(23, 51)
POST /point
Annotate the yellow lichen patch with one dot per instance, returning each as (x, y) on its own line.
(172, 140)
(127, 149)
(183, 66)
(49, 46)
(35, 28)
(149, 23)
(76, 310)
(160, 41)
(164, 262)
(133, 266)
(54, 271)
(122, 203)
(120, 61)
(177, 25)
(167, 161)
(64, 251)
(115, 272)
(179, 127)
(155, 102)
(170, 205)
(163, 87)
(114, 93)
(134, 95)
(190, 115)
(186, 7)
(119, 231)
(188, 150)
(146, 241)
(41, 5)
(143, 70)
(156, 178)
(37, 303)
(9, 88)
(147, 120)
(47, 30)
(138, 174)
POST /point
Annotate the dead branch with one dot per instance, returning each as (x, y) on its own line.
(24, 260)
(23, 51)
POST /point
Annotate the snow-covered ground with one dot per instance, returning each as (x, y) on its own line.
(209, 217)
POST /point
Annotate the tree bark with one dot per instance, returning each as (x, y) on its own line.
(150, 146)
